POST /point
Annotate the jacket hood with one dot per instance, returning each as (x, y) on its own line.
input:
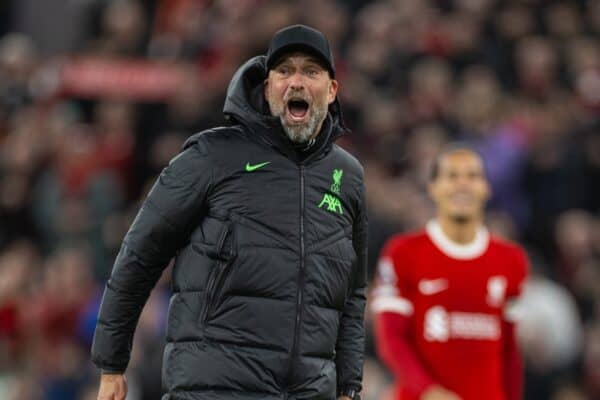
(245, 103)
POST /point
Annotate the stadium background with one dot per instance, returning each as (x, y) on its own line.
(97, 95)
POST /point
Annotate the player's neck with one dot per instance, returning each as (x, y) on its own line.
(463, 232)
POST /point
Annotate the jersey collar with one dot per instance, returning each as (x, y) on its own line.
(454, 250)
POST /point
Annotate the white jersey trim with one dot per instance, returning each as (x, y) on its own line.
(395, 304)
(455, 250)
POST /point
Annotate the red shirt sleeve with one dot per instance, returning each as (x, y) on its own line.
(393, 311)
(396, 350)
(520, 272)
(513, 363)
(512, 359)
(517, 278)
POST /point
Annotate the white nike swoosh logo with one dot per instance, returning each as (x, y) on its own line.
(432, 286)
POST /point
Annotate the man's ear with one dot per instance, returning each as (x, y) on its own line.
(333, 88)
(488, 191)
(266, 89)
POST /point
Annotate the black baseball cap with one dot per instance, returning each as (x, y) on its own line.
(300, 37)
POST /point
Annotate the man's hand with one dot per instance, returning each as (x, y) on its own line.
(344, 398)
(437, 392)
(112, 387)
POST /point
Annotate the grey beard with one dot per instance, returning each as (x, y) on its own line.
(302, 133)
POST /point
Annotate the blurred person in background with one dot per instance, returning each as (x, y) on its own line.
(18, 62)
(268, 214)
(591, 361)
(18, 270)
(550, 334)
(444, 298)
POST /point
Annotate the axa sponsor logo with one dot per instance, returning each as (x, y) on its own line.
(332, 201)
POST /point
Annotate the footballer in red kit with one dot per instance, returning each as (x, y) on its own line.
(445, 300)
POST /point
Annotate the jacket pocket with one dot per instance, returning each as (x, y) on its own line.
(223, 254)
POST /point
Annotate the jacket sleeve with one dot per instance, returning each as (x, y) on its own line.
(351, 335)
(160, 228)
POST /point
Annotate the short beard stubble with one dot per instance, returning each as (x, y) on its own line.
(301, 133)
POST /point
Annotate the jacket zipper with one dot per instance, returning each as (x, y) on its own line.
(299, 293)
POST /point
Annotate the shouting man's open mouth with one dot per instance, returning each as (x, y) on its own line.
(297, 110)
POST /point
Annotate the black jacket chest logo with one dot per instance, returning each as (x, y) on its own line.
(330, 201)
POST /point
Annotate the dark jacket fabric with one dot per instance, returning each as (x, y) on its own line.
(270, 261)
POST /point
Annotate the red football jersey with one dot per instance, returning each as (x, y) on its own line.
(454, 298)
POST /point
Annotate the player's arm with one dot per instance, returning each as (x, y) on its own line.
(351, 335)
(158, 231)
(396, 350)
(511, 356)
(512, 363)
(393, 310)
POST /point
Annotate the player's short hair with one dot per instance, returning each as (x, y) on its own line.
(451, 148)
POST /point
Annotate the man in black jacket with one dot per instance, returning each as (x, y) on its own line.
(266, 220)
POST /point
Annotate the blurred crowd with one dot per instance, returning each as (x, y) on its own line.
(97, 95)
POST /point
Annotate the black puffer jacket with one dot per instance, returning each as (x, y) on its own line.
(269, 278)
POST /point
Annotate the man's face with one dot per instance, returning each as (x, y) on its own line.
(460, 189)
(299, 91)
